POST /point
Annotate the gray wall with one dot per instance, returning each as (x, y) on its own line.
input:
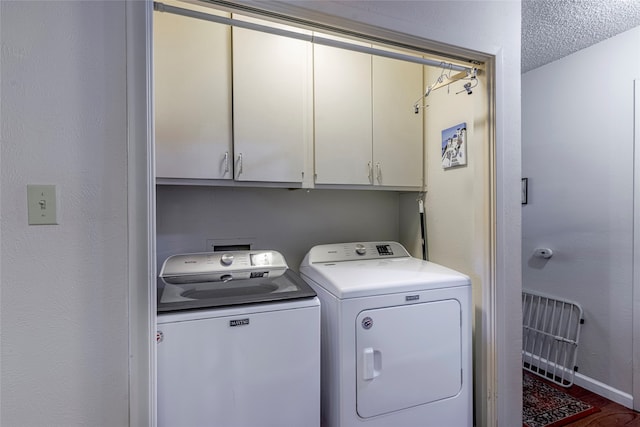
(289, 221)
(577, 151)
(64, 306)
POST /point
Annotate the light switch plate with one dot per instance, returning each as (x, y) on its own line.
(42, 204)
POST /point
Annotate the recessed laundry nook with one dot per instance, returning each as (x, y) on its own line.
(274, 135)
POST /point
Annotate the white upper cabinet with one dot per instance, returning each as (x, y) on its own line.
(239, 104)
(343, 132)
(272, 104)
(192, 79)
(366, 129)
(397, 129)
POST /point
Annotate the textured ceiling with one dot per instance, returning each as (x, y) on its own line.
(552, 29)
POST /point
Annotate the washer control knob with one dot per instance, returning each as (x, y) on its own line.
(360, 249)
(226, 259)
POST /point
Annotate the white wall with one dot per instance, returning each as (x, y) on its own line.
(64, 287)
(458, 199)
(577, 151)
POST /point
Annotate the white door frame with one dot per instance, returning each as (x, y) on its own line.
(636, 249)
(501, 296)
(141, 215)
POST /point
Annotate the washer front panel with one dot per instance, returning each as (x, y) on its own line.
(238, 367)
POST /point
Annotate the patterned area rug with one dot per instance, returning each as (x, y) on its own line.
(546, 406)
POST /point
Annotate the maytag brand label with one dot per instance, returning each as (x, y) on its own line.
(238, 322)
(412, 297)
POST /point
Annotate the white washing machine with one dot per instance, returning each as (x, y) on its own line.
(396, 337)
(238, 342)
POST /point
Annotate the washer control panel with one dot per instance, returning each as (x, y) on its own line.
(226, 259)
(222, 266)
(354, 251)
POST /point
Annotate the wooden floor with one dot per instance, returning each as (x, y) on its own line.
(611, 414)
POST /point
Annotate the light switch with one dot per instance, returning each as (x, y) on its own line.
(42, 204)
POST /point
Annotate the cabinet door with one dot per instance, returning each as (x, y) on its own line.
(271, 106)
(192, 77)
(397, 129)
(342, 101)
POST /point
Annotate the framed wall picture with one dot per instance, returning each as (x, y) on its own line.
(454, 146)
(525, 190)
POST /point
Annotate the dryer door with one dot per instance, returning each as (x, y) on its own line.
(407, 356)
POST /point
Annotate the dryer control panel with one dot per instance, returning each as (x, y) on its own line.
(357, 250)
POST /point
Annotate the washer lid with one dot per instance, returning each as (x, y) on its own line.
(378, 276)
(206, 280)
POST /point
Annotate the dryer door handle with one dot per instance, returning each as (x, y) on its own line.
(372, 363)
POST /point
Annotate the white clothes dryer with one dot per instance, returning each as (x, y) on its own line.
(395, 340)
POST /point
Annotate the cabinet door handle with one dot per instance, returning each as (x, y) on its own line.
(370, 176)
(239, 164)
(378, 173)
(226, 163)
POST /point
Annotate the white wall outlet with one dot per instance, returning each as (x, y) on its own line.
(42, 204)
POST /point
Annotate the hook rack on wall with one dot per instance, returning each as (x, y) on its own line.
(445, 79)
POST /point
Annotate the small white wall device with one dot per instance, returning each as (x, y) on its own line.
(545, 253)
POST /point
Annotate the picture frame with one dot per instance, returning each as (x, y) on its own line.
(454, 146)
(525, 191)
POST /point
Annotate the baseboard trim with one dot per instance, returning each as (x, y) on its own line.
(604, 390)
